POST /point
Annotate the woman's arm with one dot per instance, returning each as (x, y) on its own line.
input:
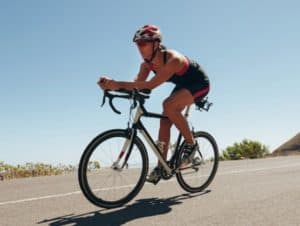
(163, 75)
(174, 64)
(143, 73)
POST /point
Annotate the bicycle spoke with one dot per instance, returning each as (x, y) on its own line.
(108, 185)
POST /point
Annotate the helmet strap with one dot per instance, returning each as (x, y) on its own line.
(154, 51)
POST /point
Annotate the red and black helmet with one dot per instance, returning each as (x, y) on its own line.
(148, 33)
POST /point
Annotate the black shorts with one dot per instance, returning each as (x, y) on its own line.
(193, 79)
(198, 91)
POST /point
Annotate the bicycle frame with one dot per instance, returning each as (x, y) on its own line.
(137, 125)
(109, 181)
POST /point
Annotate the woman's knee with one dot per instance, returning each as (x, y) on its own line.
(169, 106)
(165, 123)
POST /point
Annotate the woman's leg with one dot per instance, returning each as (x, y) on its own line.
(164, 136)
(173, 106)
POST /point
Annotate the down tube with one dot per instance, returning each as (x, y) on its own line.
(153, 146)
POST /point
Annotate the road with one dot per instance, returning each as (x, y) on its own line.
(248, 192)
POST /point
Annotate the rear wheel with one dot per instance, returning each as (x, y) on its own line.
(105, 183)
(197, 175)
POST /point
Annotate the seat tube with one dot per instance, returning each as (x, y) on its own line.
(187, 111)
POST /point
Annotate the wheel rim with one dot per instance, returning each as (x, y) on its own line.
(197, 176)
(107, 185)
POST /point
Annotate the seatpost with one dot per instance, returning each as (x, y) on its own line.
(187, 110)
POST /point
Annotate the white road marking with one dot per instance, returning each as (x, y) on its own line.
(39, 198)
(131, 185)
(258, 169)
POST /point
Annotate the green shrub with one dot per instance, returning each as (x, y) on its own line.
(247, 149)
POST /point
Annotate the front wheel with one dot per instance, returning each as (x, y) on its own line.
(112, 169)
(197, 175)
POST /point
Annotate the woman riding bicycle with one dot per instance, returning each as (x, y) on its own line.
(191, 85)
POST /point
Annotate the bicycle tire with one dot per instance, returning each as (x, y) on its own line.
(83, 173)
(213, 161)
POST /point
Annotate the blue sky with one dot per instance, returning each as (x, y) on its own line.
(53, 52)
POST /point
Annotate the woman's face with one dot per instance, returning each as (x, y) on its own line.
(145, 48)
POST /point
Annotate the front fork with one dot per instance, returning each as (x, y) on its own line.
(125, 150)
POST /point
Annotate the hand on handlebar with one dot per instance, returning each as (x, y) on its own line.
(107, 83)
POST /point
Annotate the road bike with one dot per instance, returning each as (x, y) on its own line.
(114, 165)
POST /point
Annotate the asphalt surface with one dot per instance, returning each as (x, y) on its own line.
(248, 192)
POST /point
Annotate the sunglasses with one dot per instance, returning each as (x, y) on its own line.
(142, 43)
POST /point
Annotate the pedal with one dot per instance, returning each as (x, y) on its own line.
(196, 163)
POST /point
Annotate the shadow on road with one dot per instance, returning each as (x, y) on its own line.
(139, 209)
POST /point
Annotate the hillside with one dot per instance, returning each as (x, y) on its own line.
(290, 147)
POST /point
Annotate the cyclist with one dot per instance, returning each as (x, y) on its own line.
(191, 85)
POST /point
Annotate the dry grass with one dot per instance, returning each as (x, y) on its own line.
(31, 170)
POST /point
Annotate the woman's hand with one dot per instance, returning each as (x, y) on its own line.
(107, 83)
